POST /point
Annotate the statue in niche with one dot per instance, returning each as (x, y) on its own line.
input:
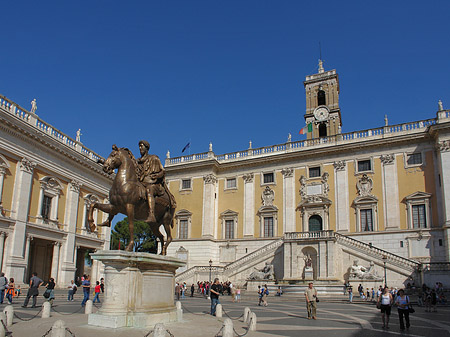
(308, 261)
(266, 273)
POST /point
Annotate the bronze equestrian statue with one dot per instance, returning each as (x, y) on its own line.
(139, 191)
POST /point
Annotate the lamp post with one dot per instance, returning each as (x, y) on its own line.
(385, 278)
(209, 288)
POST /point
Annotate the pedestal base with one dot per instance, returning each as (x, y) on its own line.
(309, 274)
(139, 289)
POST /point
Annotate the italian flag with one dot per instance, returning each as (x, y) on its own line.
(306, 129)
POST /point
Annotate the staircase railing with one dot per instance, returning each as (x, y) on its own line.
(377, 252)
(198, 269)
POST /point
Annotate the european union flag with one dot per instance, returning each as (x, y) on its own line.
(188, 145)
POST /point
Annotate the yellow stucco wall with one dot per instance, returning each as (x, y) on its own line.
(233, 200)
(191, 201)
(62, 203)
(8, 184)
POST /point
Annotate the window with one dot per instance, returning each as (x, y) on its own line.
(231, 183)
(419, 216)
(323, 130)
(364, 165)
(229, 229)
(46, 207)
(414, 158)
(268, 227)
(186, 184)
(321, 98)
(183, 229)
(314, 172)
(268, 178)
(366, 220)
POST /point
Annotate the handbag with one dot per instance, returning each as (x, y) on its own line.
(378, 305)
(410, 308)
(47, 293)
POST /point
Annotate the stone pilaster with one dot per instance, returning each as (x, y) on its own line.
(249, 205)
(443, 154)
(209, 197)
(2, 178)
(341, 196)
(288, 200)
(390, 192)
(55, 261)
(2, 248)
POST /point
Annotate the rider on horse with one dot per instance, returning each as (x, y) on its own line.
(152, 175)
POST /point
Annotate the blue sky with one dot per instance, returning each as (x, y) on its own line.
(224, 72)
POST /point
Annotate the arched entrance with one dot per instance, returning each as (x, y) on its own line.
(315, 223)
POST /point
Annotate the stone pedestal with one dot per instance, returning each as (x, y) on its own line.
(139, 289)
(309, 274)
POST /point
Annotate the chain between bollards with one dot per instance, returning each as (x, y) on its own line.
(27, 319)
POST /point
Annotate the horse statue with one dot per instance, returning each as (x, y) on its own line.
(127, 196)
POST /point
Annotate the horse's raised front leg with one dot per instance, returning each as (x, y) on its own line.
(107, 208)
(130, 214)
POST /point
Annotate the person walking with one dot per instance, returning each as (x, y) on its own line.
(50, 290)
(10, 291)
(72, 289)
(238, 294)
(192, 290)
(311, 301)
(265, 293)
(102, 285)
(384, 303)
(97, 291)
(3, 286)
(350, 294)
(259, 295)
(178, 291)
(402, 303)
(214, 294)
(86, 284)
(35, 283)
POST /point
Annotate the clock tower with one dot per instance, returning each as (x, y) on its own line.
(322, 103)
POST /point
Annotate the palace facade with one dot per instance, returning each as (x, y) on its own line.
(47, 181)
(377, 197)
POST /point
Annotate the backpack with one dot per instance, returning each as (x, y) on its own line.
(267, 292)
(75, 289)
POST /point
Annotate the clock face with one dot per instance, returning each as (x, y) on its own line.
(321, 113)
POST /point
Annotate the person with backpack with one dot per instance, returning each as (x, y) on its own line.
(265, 293)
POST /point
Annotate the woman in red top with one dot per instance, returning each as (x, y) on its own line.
(97, 290)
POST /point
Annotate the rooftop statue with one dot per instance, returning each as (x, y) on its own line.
(139, 191)
(33, 106)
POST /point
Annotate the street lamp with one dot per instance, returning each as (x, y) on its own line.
(385, 278)
(209, 288)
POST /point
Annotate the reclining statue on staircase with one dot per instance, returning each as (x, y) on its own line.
(362, 273)
(264, 274)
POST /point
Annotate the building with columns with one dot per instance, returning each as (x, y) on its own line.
(377, 199)
(47, 181)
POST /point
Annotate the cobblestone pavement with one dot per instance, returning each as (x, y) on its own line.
(284, 316)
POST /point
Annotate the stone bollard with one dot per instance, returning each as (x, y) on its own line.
(88, 307)
(46, 308)
(9, 312)
(179, 311)
(219, 310)
(247, 313)
(59, 329)
(227, 328)
(252, 326)
(2, 328)
(159, 330)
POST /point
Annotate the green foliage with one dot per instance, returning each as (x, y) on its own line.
(144, 240)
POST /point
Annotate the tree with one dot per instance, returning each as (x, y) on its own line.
(144, 240)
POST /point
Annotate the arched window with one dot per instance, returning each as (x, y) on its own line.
(315, 223)
(321, 98)
(323, 130)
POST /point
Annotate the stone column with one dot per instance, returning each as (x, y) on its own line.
(443, 154)
(17, 264)
(390, 192)
(2, 178)
(341, 196)
(322, 257)
(2, 248)
(209, 196)
(55, 261)
(288, 200)
(27, 253)
(249, 205)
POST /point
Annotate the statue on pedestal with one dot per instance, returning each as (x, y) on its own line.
(138, 191)
(264, 274)
(362, 273)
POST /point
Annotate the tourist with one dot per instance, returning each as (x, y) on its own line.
(86, 284)
(265, 293)
(17, 291)
(367, 294)
(350, 294)
(373, 295)
(97, 291)
(72, 289)
(385, 302)
(433, 296)
(238, 294)
(3, 286)
(183, 290)
(10, 291)
(402, 303)
(50, 290)
(259, 295)
(102, 285)
(35, 283)
(177, 291)
(279, 291)
(214, 294)
(361, 291)
(192, 290)
(311, 301)
(427, 296)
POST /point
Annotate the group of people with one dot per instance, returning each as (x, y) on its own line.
(86, 285)
(263, 292)
(387, 300)
(8, 289)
